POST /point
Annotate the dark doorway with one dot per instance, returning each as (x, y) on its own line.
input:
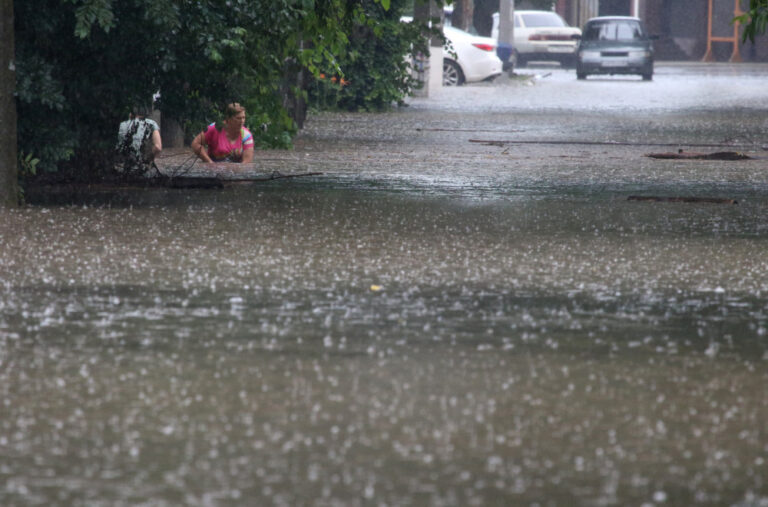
(614, 8)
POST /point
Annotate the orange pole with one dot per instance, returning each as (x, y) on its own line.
(736, 56)
(708, 56)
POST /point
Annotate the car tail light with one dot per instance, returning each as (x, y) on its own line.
(484, 47)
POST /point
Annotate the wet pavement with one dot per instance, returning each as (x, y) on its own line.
(465, 309)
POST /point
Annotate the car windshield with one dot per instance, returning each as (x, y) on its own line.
(613, 30)
(541, 19)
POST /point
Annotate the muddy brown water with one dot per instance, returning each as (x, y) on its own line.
(430, 322)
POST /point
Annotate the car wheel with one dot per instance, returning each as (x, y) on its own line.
(452, 74)
(581, 75)
(647, 77)
(521, 60)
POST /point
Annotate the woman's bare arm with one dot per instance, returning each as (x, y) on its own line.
(198, 146)
(248, 155)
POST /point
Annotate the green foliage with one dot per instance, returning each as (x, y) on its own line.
(27, 164)
(375, 72)
(755, 19)
(74, 90)
(271, 125)
(85, 63)
(27, 167)
(92, 12)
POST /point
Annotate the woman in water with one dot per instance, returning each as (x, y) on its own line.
(233, 143)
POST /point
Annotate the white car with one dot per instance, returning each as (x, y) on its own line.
(541, 35)
(468, 58)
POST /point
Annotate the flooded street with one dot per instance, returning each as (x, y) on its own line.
(464, 309)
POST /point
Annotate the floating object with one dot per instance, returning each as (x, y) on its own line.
(718, 155)
(502, 142)
(706, 200)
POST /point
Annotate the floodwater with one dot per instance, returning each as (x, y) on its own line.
(433, 321)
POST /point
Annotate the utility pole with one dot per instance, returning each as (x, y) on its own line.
(432, 67)
(507, 27)
(8, 159)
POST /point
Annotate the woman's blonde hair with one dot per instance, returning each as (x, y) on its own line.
(234, 109)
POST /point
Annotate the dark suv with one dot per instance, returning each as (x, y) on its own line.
(614, 45)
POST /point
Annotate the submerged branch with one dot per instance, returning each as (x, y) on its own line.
(219, 182)
(719, 155)
(503, 142)
(706, 200)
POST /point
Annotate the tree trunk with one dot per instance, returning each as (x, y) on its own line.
(463, 11)
(8, 158)
(294, 103)
(171, 132)
(482, 15)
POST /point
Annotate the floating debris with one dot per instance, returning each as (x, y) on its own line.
(707, 200)
(718, 155)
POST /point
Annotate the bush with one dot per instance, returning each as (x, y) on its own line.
(375, 72)
(85, 63)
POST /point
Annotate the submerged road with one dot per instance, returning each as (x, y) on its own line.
(465, 309)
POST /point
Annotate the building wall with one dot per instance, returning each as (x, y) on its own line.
(685, 23)
(577, 12)
(615, 8)
(680, 24)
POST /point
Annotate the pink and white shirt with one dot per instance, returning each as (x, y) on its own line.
(220, 149)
